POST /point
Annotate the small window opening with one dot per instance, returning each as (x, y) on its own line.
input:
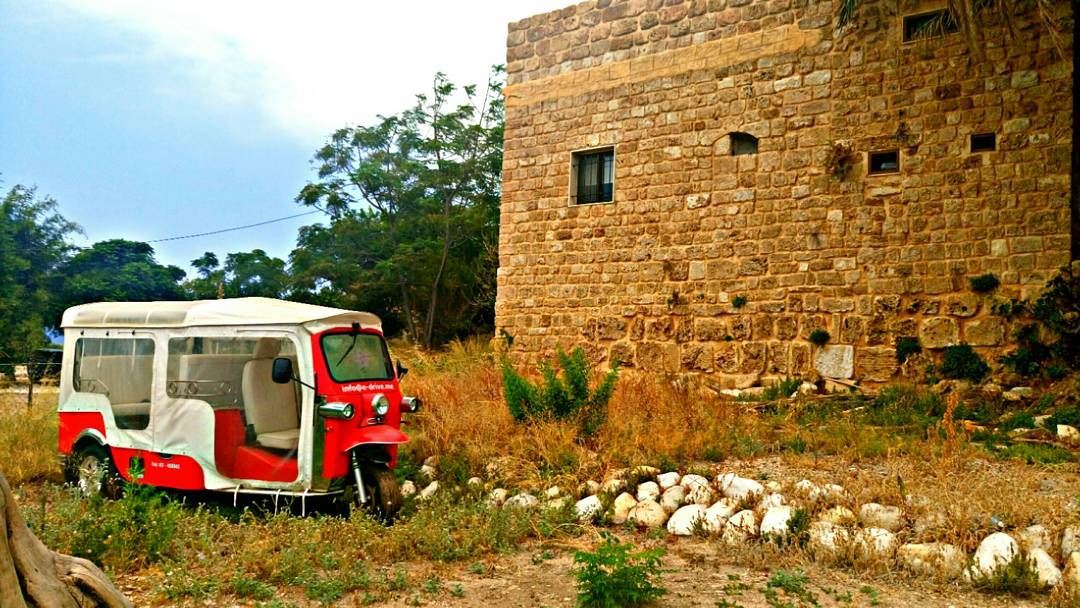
(593, 179)
(743, 143)
(983, 142)
(885, 161)
(930, 25)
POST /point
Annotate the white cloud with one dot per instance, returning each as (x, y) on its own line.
(311, 67)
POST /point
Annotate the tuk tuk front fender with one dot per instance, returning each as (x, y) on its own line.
(378, 434)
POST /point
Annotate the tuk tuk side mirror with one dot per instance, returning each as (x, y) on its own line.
(401, 370)
(282, 371)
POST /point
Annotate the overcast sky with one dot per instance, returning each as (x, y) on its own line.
(151, 119)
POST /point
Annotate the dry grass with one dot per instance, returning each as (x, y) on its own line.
(28, 438)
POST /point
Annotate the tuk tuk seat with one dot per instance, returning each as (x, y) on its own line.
(270, 408)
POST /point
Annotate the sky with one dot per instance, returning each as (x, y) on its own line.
(154, 119)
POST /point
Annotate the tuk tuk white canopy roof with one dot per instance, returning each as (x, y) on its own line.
(202, 313)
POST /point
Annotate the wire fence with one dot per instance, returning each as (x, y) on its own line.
(27, 378)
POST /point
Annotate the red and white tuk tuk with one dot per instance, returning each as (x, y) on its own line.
(246, 396)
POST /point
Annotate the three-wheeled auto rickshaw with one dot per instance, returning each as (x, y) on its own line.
(245, 396)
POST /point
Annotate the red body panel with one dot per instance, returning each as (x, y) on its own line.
(162, 470)
(73, 423)
(341, 435)
(229, 434)
(256, 463)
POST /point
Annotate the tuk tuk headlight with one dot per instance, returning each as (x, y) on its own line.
(380, 405)
(337, 409)
(411, 404)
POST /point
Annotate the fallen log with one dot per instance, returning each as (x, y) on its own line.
(33, 575)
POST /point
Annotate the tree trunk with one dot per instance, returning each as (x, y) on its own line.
(32, 575)
(1074, 179)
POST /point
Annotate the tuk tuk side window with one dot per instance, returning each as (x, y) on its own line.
(122, 369)
(211, 368)
(355, 357)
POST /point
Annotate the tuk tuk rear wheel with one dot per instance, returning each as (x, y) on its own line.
(383, 492)
(91, 471)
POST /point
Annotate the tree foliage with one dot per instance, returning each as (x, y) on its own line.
(244, 274)
(413, 201)
(33, 243)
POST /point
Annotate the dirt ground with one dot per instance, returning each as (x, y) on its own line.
(698, 577)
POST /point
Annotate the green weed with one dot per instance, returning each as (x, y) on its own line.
(615, 575)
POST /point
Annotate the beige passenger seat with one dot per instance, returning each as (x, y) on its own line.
(271, 408)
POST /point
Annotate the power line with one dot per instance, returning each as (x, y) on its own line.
(234, 228)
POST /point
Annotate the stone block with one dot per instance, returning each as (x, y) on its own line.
(962, 305)
(657, 356)
(939, 332)
(875, 363)
(835, 361)
(989, 331)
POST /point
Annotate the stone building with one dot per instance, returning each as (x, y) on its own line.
(696, 186)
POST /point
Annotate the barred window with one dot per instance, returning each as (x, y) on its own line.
(593, 177)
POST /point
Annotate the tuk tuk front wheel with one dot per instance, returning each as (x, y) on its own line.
(92, 472)
(383, 492)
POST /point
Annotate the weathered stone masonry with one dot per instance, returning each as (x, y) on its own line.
(650, 278)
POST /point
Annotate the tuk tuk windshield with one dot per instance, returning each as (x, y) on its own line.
(352, 357)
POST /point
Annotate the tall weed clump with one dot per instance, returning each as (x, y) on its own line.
(616, 575)
(565, 396)
(1050, 343)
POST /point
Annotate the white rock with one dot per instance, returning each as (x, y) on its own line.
(1068, 434)
(429, 491)
(718, 514)
(931, 522)
(648, 491)
(771, 500)
(588, 508)
(668, 480)
(588, 488)
(521, 501)
(934, 560)
(828, 540)
(734, 393)
(700, 495)
(1070, 580)
(673, 498)
(431, 461)
(833, 491)
(553, 492)
(620, 509)
(428, 471)
(873, 515)
(807, 388)
(690, 481)
(875, 543)
(1070, 541)
(408, 488)
(774, 486)
(835, 361)
(739, 488)
(1040, 421)
(555, 504)
(774, 524)
(740, 528)
(1018, 393)
(644, 471)
(613, 486)
(474, 481)
(1033, 537)
(647, 514)
(994, 551)
(498, 496)
(838, 516)
(685, 520)
(1049, 574)
(806, 488)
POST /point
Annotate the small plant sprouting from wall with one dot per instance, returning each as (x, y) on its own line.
(907, 346)
(819, 337)
(616, 575)
(984, 283)
(961, 362)
(738, 302)
(564, 397)
(840, 161)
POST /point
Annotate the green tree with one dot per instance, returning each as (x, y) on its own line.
(245, 274)
(115, 270)
(32, 244)
(414, 203)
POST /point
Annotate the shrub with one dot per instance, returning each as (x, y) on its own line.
(614, 575)
(561, 398)
(819, 337)
(781, 389)
(906, 346)
(984, 283)
(1029, 356)
(1018, 577)
(961, 362)
(1058, 309)
(738, 302)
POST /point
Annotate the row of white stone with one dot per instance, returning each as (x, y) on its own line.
(690, 504)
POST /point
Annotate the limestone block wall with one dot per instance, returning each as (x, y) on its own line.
(651, 279)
